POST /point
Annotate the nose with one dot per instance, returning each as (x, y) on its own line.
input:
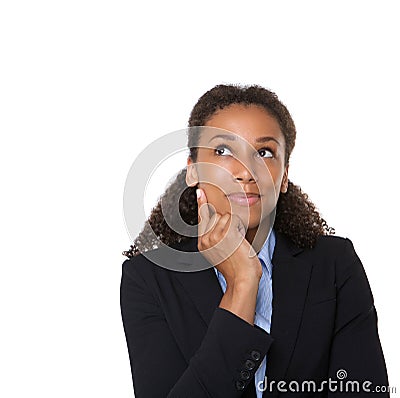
(242, 173)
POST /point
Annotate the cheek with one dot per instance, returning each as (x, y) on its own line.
(216, 197)
(268, 181)
(215, 178)
(214, 194)
(271, 178)
(212, 171)
(269, 185)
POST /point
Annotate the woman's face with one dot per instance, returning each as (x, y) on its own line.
(247, 158)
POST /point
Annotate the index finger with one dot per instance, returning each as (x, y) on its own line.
(203, 211)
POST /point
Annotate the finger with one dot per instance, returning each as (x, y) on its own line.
(221, 228)
(211, 208)
(210, 236)
(214, 220)
(240, 228)
(231, 227)
(238, 225)
(203, 212)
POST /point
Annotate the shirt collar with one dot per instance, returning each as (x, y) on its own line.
(267, 251)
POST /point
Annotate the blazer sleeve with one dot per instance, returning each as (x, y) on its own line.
(356, 352)
(223, 366)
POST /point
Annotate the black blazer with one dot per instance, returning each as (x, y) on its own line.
(182, 344)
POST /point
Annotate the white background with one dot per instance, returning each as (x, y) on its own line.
(86, 85)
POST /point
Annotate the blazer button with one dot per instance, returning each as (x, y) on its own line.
(245, 375)
(240, 385)
(249, 364)
(255, 355)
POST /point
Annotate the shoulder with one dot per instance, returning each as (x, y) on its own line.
(140, 266)
(159, 264)
(335, 262)
(338, 254)
(326, 249)
(333, 247)
(140, 279)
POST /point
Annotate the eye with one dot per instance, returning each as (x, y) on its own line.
(268, 151)
(220, 150)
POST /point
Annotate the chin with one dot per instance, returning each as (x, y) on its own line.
(251, 224)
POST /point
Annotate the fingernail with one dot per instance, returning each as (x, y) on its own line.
(198, 193)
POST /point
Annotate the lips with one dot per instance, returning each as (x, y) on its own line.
(244, 199)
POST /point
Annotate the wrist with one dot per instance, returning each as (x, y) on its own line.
(243, 282)
(240, 299)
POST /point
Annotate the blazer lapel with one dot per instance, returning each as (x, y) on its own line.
(290, 280)
(201, 286)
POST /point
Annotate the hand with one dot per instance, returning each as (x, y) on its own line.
(222, 242)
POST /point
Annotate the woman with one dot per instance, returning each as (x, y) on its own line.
(284, 307)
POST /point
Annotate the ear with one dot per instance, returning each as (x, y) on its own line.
(285, 179)
(191, 174)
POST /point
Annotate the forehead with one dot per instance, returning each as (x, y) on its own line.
(250, 122)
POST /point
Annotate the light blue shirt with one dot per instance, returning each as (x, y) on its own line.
(264, 299)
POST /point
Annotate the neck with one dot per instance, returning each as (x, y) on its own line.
(257, 236)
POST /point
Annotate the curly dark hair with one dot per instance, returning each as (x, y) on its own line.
(296, 216)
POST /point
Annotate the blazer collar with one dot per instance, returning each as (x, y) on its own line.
(290, 280)
(205, 299)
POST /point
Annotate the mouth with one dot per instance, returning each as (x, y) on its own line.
(247, 199)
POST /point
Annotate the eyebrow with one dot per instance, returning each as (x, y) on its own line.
(234, 138)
